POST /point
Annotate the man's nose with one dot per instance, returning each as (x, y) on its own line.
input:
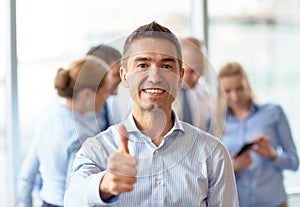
(154, 75)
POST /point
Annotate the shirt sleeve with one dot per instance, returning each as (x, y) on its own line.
(288, 159)
(27, 178)
(222, 186)
(71, 157)
(84, 184)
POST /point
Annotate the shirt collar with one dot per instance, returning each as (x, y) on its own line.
(254, 108)
(131, 126)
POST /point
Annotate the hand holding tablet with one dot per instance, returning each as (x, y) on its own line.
(245, 147)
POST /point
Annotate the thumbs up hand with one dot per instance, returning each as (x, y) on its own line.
(123, 147)
(121, 170)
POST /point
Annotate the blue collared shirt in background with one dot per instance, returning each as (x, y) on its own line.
(261, 185)
(189, 168)
(58, 136)
(110, 115)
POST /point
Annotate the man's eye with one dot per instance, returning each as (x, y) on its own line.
(142, 65)
(166, 66)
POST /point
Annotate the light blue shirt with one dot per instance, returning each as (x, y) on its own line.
(261, 185)
(110, 115)
(57, 138)
(189, 168)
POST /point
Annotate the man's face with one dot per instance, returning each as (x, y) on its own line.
(192, 64)
(152, 73)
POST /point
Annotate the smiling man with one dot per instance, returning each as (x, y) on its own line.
(152, 159)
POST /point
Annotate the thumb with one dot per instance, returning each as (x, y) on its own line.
(123, 147)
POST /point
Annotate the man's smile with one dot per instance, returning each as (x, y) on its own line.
(153, 90)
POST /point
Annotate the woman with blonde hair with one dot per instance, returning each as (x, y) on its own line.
(60, 133)
(266, 127)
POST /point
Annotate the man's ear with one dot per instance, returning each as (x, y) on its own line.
(181, 74)
(123, 75)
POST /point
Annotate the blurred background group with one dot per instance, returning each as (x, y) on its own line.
(38, 37)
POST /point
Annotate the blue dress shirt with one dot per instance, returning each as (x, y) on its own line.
(58, 137)
(261, 185)
(189, 168)
(110, 114)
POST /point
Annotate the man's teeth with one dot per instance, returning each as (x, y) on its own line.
(153, 91)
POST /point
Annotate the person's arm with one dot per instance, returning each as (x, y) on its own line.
(27, 178)
(83, 189)
(91, 184)
(73, 149)
(288, 159)
(222, 186)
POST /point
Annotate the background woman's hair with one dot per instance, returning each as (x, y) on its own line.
(235, 68)
(87, 72)
(228, 69)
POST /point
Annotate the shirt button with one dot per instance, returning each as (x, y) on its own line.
(156, 152)
(157, 182)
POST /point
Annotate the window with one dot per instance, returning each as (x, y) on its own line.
(64, 31)
(51, 34)
(264, 36)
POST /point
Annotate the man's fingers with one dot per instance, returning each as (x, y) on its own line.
(117, 184)
(123, 147)
(122, 165)
(122, 184)
(123, 179)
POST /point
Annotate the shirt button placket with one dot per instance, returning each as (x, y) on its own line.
(157, 180)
